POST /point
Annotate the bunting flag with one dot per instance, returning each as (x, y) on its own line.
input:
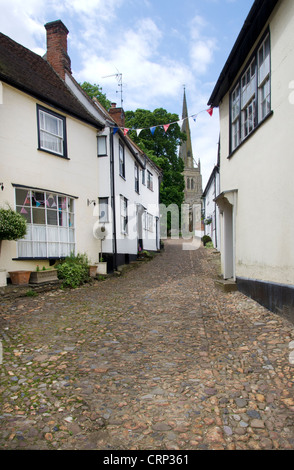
(164, 126)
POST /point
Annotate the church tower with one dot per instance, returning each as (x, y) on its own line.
(192, 173)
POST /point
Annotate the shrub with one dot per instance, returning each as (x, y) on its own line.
(12, 225)
(209, 245)
(205, 239)
(74, 270)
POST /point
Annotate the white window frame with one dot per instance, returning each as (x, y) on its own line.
(103, 210)
(122, 165)
(250, 100)
(50, 220)
(49, 139)
(102, 145)
(149, 180)
(124, 215)
(136, 175)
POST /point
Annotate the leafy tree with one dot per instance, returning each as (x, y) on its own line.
(96, 91)
(162, 148)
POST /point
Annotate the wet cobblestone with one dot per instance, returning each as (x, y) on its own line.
(157, 359)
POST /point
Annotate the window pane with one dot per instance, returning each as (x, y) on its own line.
(102, 145)
(51, 217)
(25, 212)
(38, 216)
(103, 209)
(51, 124)
(38, 199)
(22, 197)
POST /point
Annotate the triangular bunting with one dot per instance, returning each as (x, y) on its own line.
(138, 131)
(126, 131)
(165, 127)
(152, 129)
(210, 111)
(115, 129)
(23, 211)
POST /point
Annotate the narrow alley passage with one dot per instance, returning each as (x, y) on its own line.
(155, 359)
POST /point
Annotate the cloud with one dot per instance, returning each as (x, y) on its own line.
(136, 53)
(202, 46)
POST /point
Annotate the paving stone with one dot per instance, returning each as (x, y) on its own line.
(157, 358)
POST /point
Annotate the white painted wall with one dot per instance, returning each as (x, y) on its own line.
(262, 169)
(212, 210)
(22, 163)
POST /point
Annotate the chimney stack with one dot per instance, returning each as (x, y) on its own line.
(117, 114)
(57, 47)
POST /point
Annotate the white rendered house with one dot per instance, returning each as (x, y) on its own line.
(49, 164)
(256, 110)
(63, 168)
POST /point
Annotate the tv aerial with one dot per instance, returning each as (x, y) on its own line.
(118, 76)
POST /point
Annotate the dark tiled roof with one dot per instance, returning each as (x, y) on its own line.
(31, 74)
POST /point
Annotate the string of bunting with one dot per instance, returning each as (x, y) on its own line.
(165, 126)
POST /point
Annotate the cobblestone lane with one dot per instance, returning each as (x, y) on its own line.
(157, 359)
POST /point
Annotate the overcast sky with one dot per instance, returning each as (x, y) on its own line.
(157, 45)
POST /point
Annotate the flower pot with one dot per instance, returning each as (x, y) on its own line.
(92, 271)
(46, 275)
(20, 277)
(3, 278)
(102, 267)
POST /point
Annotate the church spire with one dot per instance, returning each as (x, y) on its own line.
(186, 152)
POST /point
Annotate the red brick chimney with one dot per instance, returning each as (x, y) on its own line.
(57, 47)
(117, 114)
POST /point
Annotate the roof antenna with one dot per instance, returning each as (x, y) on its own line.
(118, 76)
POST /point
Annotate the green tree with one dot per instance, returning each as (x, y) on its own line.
(96, 91)
(162, 148)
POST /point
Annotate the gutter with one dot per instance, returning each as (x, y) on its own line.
(112, 189)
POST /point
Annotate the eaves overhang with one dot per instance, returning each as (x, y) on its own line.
(254, 23)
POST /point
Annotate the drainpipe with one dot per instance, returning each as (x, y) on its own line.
(112, 188)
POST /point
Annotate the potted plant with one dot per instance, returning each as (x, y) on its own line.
(102, 266)
(12, 227)
(43, 275)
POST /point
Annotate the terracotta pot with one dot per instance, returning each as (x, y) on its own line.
(92, 271)
(20, 277)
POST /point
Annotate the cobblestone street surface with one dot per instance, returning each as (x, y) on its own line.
(157, 359)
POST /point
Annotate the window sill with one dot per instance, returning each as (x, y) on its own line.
(251, 134)
(31, 258)
(53, 153)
